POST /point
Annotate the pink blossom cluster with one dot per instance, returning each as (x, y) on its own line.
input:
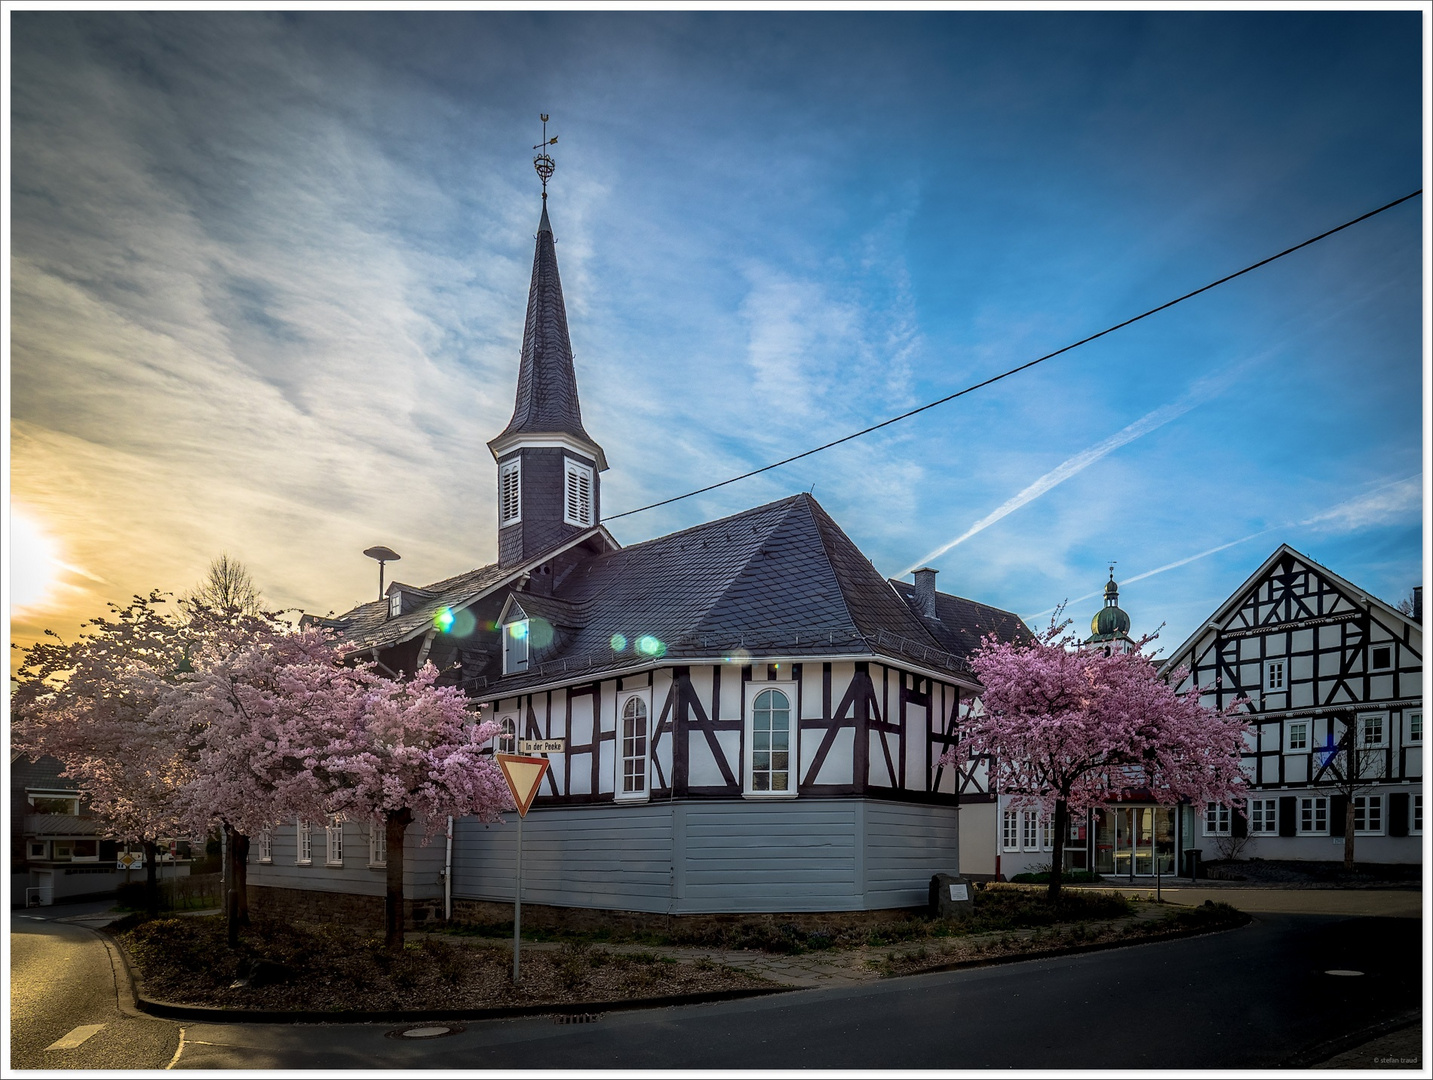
(1086, 728)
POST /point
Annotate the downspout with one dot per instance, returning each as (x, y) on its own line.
(448, 877)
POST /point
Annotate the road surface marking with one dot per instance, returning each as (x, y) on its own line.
(179, 1050)
(74, 1038)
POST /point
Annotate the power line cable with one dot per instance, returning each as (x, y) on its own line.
(1022, 367)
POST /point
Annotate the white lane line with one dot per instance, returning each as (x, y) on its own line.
(74, 1038)
(178, 1050)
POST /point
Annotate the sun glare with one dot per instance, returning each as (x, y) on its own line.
(34, 563)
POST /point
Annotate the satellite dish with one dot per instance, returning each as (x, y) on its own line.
(383, 555)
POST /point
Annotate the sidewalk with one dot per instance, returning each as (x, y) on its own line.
(1394, 902)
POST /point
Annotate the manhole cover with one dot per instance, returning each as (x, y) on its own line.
(426, 1031)
(1342, 971)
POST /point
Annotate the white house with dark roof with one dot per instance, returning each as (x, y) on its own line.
(751, 714)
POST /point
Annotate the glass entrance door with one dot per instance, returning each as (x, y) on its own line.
(1142, 834)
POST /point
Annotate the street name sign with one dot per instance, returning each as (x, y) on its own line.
(542, 746)
(524, 776)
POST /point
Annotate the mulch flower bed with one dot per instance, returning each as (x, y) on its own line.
(283, 966)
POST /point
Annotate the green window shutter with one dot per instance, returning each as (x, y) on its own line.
(1398, 814)
(1288, 815)
(1338, 815)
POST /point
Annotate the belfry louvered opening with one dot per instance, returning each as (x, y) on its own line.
(510, 494)
(577, 508)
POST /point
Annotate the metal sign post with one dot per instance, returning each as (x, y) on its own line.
(524, 776)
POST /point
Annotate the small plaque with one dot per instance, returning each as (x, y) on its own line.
(959, 892)
(541, 746)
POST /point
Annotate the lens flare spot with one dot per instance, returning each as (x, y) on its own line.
(518, 629)
(647, 645)
(443, 621)
(540, 633)
(464, 623)
(738, 656)
(619, 642)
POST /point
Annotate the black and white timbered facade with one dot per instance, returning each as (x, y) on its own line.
(1313, 654)
(751, 716)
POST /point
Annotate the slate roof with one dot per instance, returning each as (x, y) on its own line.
(961, 624)
(368, 626)
(546, 383)
(778, 580)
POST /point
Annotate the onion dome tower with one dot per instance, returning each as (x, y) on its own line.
(548, 466)
(1109, 629)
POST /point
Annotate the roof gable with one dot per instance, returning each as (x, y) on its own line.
(1288, 587)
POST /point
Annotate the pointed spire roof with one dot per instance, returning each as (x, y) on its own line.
(547, 401)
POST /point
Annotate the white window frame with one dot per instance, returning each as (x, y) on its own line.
(42, 845)
(575, 478)
(1010, 830)
(1301, 744)
(1263, 817)
(1218, 819)
(1047, 831)
(304, 848)
(1364, 726)
(1373, 823)
(1318, 805)
(1372, 648)
(787, 690)
(333, 842)
(266, 846)
(395, 603)
(1415, 814)
(505, 740)
(1276, 676)
(643, 698)
(510, 493)
(378, 842)
(1030, 830)
(1414, 728)
(516, 647)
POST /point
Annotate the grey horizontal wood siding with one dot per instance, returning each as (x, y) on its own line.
(738, 855)
(905, 846)
(422, 866)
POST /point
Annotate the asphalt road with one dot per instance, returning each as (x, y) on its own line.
(62, 978)
(1256, 997)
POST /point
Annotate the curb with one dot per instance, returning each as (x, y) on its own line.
(1072, 950)
(214, 1015)
(206, 1014)
(1322, 1052)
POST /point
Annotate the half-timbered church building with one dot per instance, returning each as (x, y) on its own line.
(751, 714)
(1323, 665)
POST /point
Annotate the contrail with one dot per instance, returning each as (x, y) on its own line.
(1371, 503)
(1068, 468)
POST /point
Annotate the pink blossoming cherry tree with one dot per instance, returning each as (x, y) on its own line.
(1072, 730)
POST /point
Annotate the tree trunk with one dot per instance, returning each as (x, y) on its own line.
(151, 878)
(1348, 823)
(1060, 826)
(231, 880)
(397, 822)
(241, 876)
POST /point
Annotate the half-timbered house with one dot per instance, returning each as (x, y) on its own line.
(1315, 655)
(750, 714)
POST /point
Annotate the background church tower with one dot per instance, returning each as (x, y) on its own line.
(548, 466)
(1109, 629)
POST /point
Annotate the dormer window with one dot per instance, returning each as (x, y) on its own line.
(515, 639)
(577, 505)
(510, 493)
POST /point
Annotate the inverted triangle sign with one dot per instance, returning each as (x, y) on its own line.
(524, 776)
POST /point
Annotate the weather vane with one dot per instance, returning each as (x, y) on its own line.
(543, 163)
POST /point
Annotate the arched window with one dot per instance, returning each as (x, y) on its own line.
(505, 741)
(633, 735)
(770, 754)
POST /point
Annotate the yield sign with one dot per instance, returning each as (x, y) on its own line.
(523, 775)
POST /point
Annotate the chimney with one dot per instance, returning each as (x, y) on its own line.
(1418, 604)
(925, 591)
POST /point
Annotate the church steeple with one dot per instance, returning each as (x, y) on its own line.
(548, 465)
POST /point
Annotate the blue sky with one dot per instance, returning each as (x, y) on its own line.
(268, 276)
